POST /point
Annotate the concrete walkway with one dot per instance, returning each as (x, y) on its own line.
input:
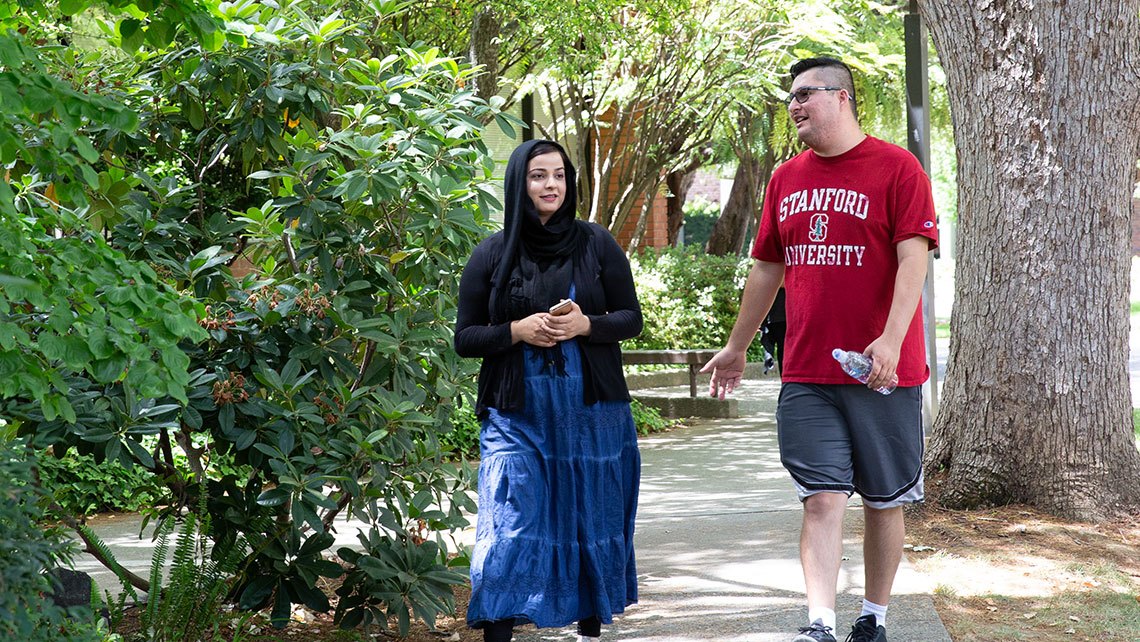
(717, 542)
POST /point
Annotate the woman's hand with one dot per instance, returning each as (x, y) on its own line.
(569, 325)
(533, 330)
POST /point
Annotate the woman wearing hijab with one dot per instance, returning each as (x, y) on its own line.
(559, 472)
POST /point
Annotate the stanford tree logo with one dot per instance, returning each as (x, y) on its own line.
(818, 231)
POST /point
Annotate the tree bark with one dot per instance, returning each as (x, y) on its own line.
(484, 50)
(1036, 405)
(678, 183)
(743, 204)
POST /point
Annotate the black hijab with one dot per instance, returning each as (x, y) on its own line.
(537, 265)
(538, 260)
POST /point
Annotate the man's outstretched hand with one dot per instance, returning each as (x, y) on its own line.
(727, 368)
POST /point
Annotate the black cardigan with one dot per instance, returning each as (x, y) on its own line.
(606, 295)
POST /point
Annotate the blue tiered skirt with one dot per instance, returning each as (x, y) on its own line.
(557, 498)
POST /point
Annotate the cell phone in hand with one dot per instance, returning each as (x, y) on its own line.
(562, 307)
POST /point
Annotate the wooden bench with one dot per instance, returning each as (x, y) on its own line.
(695, 359)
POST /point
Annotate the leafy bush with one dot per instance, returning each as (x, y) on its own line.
(689, 299)
(80, 485)
(310, 195)
(463, 437)
(649, 420)
(26, 613)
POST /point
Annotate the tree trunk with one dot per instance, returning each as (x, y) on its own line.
(484, 50)
(743, 205)
(1036, 405)
(678, 183)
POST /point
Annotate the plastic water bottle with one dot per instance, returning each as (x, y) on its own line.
(858, 365)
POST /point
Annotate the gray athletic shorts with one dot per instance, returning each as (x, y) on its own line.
(851, 439)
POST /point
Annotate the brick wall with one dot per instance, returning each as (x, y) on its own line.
(656, 230)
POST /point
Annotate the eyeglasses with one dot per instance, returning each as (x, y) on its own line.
(802, 94)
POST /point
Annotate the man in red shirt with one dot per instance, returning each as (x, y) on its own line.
(846, 226)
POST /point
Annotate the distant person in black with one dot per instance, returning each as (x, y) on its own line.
(772, 334)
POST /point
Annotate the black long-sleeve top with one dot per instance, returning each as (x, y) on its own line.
(605, 293)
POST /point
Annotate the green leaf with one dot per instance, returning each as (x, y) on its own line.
(245, 439)
(51, 345)
(86, 149)
(192, 418)
(194, 113)
(159, 33)
(99, 344)
(303, 513)
(206, 259)
(257, 592)
(71, 7)
(130, 34)
(273, 497)
(352, 619)
(311, 597)
(90, 176)
(140, 453)
(109, 370)
(75, 352)
(274, 94)
(264, 174)
(316, 543)
(12, 335)
(37, 100)
(226, 419)
(180, 324)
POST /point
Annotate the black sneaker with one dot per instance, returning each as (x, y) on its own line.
(866, 630)
(815, 632)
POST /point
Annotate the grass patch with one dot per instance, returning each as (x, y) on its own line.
(1134, 307)
(1012, 573)
(1072, 615)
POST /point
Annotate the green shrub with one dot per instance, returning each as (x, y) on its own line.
(689, 299)
(649, 419)
(311, 195)
(80, 485)
(463, 437)
(25, 552)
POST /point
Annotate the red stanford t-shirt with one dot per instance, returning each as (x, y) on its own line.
(834, 222)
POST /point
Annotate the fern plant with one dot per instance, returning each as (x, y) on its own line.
(188, 607)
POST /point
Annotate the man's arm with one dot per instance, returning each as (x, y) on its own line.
(908, 290)
(727, 366)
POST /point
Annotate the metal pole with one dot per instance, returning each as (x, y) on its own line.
(918, 141)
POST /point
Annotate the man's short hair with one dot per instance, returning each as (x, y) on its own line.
(838, 74)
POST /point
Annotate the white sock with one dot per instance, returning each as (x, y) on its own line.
(878, 610)
(823, 614)
(583, 638)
